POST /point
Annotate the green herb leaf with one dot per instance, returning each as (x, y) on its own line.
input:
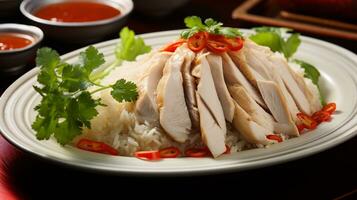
(130, 47)
(66, 106)
(272, 37)
(291, 45)
(124, 91)
(91, 59)
(230, 32)
(310, 71)
(195, 25)
(47, 58)
(268, 39)
(194, 21)
(313, 74)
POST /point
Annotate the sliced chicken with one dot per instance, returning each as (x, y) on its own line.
(240, 60)
(295, 84)
(174, 116)
(215, 63)
(146, 106)
(262, 59)
(233, 76)
(256, 112)
(189, 86)
(212, 134)
(277, 105)
(207, 91)
(251, 131)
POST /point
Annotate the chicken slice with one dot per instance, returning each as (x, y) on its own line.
(233, 76)
(212, 134)
(174, 116)
(240, 60)
(146, 106)
(215, 63)
(189, 86)
(251, 131)
(277, 105)
(207, 91)
(262, 58)
(257, 113)
(295, 84)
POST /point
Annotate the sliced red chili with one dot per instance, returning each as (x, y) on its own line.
(148, 155)
(300, 127)
(234, 44)
(217, 47)
(197, 152)
(216, 37)
(321, 116)
(308, 122)
(173, 46)
(98, 147)
(274, 137)
(330, 108)
(198, 41)
(228, 150)
(170, 152)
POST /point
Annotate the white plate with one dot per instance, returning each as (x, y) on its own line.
(338, 67)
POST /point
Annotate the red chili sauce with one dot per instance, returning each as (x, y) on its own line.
(10, 41)
(76, 12)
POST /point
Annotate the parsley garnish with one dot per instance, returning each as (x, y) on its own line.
(66, 106)
(273, 38)
(195, 25)
(128, 48)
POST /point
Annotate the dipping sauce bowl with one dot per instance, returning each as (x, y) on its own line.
(18, 46)
(77, 21)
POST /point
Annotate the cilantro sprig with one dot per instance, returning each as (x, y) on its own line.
(273, 38)
(67, 106)
(196, 25)
(128, 48)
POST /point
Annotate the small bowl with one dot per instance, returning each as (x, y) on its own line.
(78, 32)
(12, 61)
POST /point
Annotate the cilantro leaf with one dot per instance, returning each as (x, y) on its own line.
(91, 58)
(86, 108)
(67, 130)
(195, 25)
(272, 37)
(229, 32)
(194, 21)
(66, 106)
(268, 39)
(74, 77)
(124, 91)
(130, 47)
(291, 45)
(47, 58)
(313, 74)
(310, 71)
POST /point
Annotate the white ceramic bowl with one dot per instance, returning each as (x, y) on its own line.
(78, 32)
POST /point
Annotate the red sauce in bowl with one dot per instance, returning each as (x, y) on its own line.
(76, 12)
(10, 41)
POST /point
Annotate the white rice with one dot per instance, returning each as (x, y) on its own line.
(123, 132)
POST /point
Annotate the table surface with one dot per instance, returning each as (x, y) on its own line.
(326, 175)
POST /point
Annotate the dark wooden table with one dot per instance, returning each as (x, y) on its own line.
(326, 175)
